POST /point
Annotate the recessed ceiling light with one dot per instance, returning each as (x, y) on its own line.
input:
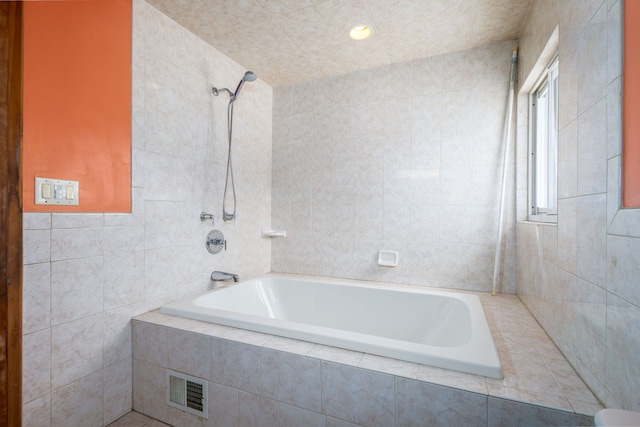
(360, 32)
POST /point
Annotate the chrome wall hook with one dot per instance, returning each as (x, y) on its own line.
(206, 217)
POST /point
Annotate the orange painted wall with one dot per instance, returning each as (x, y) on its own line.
(77, 101)
(631, 106)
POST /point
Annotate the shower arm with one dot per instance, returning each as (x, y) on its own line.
(217, 91)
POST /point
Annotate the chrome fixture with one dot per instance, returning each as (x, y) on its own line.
(216, 242)
(217, 91)
(249, 76)
(221, 276)
(206, 217)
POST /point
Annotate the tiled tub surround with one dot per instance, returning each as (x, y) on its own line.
(264, 380)
(403, 157)
(86, 275)
(579, 278)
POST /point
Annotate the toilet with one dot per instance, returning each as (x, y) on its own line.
(616, 417)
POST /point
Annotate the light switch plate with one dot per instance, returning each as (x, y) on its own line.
(51, 191)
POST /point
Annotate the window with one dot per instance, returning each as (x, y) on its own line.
(543, 165)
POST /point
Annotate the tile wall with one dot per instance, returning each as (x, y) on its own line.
(86, 275)
(580, 278)
(387, 158)
(405, 157)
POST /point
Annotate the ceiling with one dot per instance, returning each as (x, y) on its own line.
(288, 41)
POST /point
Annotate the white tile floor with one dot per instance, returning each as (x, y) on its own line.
(134, 419)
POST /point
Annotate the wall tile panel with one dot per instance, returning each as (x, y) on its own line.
(357, 396)
(591, 288)
(413, 158)
(65, 409)
(420, 403)
(291, 379)
(76, 350)
(36, 297)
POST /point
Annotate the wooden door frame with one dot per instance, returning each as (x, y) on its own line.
(11, 213)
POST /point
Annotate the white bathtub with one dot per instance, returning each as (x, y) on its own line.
(442, 329)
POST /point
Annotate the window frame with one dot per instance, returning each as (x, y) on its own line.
(545, 187)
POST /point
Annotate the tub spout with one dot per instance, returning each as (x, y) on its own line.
(221, 276)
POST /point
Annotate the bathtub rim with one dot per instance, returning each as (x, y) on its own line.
(487, 362)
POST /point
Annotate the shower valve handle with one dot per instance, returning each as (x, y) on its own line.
(218, 242)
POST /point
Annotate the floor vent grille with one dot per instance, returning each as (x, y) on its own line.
(187, 393)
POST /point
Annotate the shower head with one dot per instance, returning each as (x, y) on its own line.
(249, 76)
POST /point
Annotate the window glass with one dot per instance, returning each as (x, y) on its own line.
(544, 146)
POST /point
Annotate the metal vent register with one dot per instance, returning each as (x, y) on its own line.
(187, 393)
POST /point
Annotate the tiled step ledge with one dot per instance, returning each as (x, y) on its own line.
(538, 384)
